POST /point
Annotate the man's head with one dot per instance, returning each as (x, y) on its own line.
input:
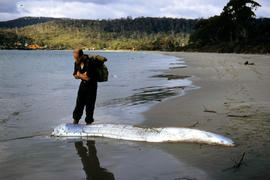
(78, 54)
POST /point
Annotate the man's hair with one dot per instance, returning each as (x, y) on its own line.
(80, 52)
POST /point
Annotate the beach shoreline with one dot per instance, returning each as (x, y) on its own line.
(232, 100)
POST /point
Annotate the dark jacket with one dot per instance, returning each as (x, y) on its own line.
(90, 67)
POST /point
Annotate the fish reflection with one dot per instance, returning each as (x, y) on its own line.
(91, 165)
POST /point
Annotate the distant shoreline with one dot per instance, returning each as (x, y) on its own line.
(151, 51)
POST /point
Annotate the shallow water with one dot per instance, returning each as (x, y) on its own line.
(38, 92)
(52, 158)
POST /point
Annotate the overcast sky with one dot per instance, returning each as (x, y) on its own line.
(110, 9)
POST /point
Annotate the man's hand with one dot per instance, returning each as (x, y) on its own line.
(82, 76)
(76, 76)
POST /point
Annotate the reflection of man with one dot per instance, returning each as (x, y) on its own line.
(90, 162)
(86, 70)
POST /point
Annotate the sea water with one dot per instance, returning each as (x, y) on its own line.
(38, 92)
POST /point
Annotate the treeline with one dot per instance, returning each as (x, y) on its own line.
(142, 33)
(235, 30)
(26, 21)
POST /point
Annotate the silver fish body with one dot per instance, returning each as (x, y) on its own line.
(136, 133)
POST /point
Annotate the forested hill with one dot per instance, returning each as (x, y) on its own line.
(144, 33)
(25, 21)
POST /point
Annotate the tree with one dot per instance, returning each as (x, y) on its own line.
(234, 25)
(240, 14)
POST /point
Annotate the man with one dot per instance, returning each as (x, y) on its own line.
(86, 70)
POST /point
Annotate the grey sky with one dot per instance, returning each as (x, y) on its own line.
(109, 9)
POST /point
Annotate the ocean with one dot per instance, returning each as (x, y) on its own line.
(38, 92)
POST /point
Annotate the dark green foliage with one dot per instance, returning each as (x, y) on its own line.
(235, 30)
(125, 33)
(239, 18)
(9, 40)
(25, 21)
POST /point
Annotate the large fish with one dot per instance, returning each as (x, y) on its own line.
(136, 133)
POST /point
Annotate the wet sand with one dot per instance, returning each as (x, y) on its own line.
(233, 100)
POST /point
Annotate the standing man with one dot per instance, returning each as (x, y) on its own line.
(86, 70)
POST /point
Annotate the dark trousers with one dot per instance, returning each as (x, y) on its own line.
(86, 98)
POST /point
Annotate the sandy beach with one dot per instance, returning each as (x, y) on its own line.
(233, 100)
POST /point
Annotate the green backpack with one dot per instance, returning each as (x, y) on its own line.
(102, 70)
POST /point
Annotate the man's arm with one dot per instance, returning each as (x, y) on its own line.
(82, 76)
(78, 75)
